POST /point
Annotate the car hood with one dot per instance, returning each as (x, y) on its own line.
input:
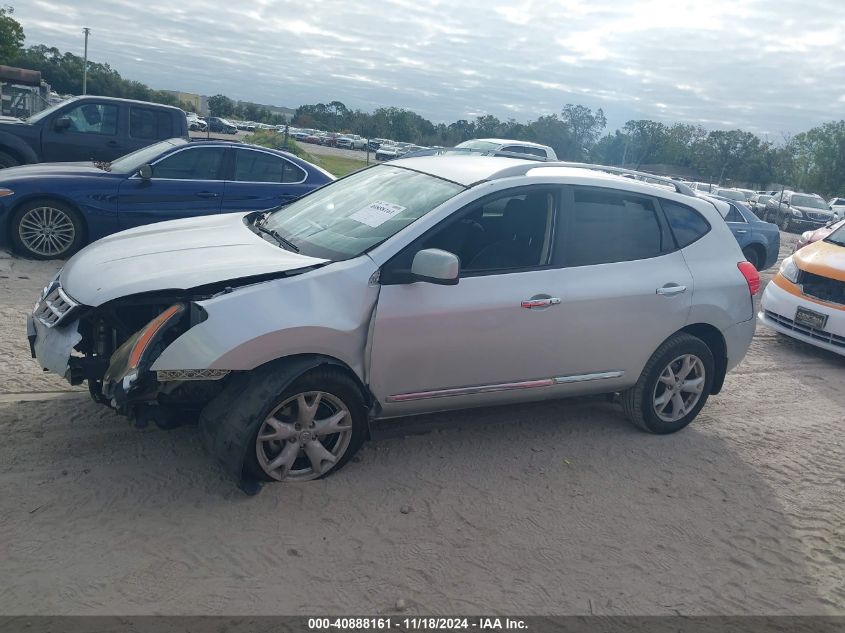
(179, 254)
(822, 258)
(85, 168)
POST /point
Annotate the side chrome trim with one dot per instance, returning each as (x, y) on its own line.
(505, 386)
(604, 375)
(468, 391)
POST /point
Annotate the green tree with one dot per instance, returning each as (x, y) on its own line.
(11, 35)
(221, 105)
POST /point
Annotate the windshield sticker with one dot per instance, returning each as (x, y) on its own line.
(377, 213)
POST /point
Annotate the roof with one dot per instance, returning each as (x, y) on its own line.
(462, 169)
(510, 141)
(90, 97)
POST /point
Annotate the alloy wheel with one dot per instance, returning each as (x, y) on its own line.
(679, 388)
(46, 231)
(304, 436)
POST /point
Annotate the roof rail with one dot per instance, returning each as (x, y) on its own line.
(521, 169)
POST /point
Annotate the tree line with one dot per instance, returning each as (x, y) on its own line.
(809, 161)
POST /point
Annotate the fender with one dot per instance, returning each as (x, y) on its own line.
(18, 147)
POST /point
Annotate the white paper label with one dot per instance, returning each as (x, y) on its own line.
(377, 213)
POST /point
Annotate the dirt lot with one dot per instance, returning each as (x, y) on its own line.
(560, 508)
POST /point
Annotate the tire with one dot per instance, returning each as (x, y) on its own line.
(640, 401)
(786, 223)
(46, 229)
(7, 160)
(753, 256)
(261, 402)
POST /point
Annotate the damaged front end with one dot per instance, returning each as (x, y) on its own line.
(113, 347)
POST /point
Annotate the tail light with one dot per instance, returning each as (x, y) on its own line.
(752, 277)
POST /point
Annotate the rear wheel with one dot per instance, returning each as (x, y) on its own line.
(673, 386)
(46, 229)
(753, 256)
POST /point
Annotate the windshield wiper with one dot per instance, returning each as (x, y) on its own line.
(275, 235)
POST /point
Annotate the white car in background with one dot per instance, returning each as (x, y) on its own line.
(351, 141)
(495, 145)
(837, 205)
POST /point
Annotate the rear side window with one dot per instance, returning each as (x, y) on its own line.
(607, 226)
(687, 224)
(149, 123)
(734, 215)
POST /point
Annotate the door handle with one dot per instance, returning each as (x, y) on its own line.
(741, 231)
(207, 194)
(113, 144)
(540, 303)
(670, 290)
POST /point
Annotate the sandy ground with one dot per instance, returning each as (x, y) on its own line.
(560, 508)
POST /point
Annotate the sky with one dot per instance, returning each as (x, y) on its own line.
(772, 67)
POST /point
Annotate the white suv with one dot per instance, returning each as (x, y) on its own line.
(419, 285)
(508, 146)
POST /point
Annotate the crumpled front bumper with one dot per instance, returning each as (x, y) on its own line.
(52, 347)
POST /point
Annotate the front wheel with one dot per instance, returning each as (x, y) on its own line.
(7, 160)
(310, 429)
(46, 229)
(673, 386)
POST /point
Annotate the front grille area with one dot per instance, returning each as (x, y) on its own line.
(819, 335)
(824, 288)
(54, 306)
(818, 217)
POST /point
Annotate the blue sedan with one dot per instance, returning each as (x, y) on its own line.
(49, 211)
(759, 240)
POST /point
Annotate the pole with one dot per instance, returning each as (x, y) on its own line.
(85, 30)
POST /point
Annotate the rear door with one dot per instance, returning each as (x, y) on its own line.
(92, 133)
(185, 183)
(262, 180)
(739, 227)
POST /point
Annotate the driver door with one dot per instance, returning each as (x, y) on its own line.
(91, 135)
(184, 184)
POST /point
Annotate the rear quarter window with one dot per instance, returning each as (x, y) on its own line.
(687, 224)
(147, 123)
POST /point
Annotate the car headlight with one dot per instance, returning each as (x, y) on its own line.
(789, 270)
(796, 212)
(6, 192)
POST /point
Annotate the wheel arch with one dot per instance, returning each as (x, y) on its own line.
(226, 437)
(17, 148)
(714, 339)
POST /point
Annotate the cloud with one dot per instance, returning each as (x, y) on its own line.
(763, 66)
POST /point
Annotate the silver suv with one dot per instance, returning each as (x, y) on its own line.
(421, 285)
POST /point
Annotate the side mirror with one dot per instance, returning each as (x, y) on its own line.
(61, 124)
(145, 171)
(436, 266)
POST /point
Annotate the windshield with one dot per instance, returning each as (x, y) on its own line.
(808, 201)
(35, 118)
(131, 162)
(346, 218)
(733, 195)
(838, 236)
(478, 145)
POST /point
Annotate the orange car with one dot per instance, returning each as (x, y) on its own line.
(806, 299)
